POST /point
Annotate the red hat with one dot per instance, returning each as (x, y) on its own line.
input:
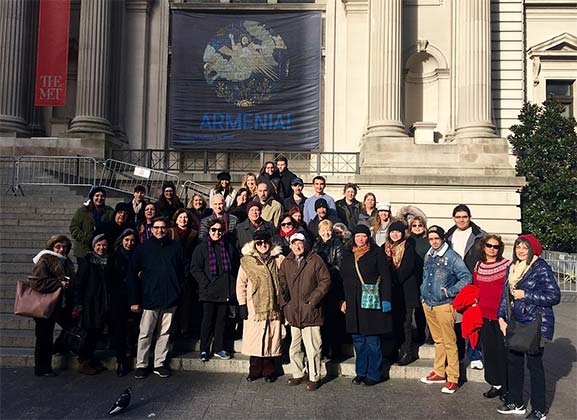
(534, 242)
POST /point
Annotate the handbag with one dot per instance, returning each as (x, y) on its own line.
(34, 304)
(524, 338)
(370, 296)
(72, 339)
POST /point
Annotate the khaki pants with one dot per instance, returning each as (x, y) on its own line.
(311, 336)
(441, 322)
(153, 319)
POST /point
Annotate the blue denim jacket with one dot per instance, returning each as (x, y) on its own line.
(443, 268)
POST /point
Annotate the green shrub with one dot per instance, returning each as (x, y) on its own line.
(546, 147)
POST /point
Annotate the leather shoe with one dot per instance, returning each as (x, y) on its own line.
(295, 381)
(251, 378)
(493, 392)
(407, 359)
(369, 382)
(357, 380)
(270, 379)
(313, 386)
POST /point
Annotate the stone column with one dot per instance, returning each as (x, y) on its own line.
(473, 37)
(92, 97)
(385, 69)
(118, 65)
(14, 42)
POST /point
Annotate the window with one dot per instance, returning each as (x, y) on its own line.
(562, 91)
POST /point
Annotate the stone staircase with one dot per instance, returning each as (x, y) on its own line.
(25, 224)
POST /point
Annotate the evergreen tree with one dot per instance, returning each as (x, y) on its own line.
(545, 143)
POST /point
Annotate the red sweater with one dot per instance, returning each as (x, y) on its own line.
(489, 278)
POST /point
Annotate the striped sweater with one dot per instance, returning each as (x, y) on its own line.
(489, 278)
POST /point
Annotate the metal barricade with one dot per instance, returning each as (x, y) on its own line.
(565, 272)
(7, 172)
(55, 170)
(189, 188)
(123, 177)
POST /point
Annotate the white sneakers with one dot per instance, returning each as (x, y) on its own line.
(477, 364)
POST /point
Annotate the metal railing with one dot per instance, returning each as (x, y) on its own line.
(565, 272)
(189, 188)
(7, 172)
(204, 161)
(123, 177)
(55, 170)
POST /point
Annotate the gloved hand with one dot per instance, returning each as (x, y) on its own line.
(386, 306)
(285, 294)
(243, 312)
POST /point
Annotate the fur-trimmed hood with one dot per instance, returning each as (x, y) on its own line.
(415, 211)
(248, 250)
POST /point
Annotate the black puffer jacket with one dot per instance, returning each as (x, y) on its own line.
(92, 293)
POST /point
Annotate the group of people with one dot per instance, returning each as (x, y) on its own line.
(322, 271)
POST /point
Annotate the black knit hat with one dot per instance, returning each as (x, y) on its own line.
(321, 202)
(168, 184)
(223, 176)
(261, 235)
(94, 191)
(364, 229)
(123, 207)
(438, 230)
(399, 227)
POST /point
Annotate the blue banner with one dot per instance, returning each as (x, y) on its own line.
(245, 81)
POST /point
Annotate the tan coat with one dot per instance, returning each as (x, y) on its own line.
(259, 338)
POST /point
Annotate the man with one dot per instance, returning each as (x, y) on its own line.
(254, 222)
(348, 207)
(465, 235)
(230, 221)
(137, 204)
(155, 281)
(444, 275)
(121, 221)
(297, 198)
(88, 218)
(304, 282)
(284, 176)
(319, 183)
(271, 209)
(322, 209)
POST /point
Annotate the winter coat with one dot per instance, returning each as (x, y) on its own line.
(405, 280)
(134, 218)
(406, 210)
(49, 271)
(82, 227)
(307, 284)
(332, 253)
(166, 209)
(372, 265)
(313, 225)
(245, 230)
(466, 302)
(219, 288)
(259, 338)
(156, 274)
(271, 211)
(348, 218)
(117, 268)
(283, 241)
(473, 252)
(541, 290)
(290, 202)
(443, 269)
(92, 293)
(284, 183)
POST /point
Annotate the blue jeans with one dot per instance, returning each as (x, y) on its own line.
(369, 358)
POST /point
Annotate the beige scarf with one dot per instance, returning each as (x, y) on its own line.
(517, 271)
(263, 274)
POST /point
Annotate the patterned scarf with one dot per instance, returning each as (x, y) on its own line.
(212, 260)
(395, 252)
(359, 251)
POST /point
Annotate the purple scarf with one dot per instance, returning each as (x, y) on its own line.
(212, 261)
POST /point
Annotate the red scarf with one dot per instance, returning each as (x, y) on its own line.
(289, 233)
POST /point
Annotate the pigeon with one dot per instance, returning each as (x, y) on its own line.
(121, 403)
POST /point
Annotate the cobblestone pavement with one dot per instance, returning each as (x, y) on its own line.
(197, 395)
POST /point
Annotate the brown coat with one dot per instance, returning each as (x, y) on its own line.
(48, 272)
(307, 285)
(259, 338)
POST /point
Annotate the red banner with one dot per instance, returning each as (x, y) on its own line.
(52, 59)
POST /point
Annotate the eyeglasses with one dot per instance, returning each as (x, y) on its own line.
(287, 224)
(159, 227)
(491, 246)
(417, 226)
(261, 243)
(216, 230)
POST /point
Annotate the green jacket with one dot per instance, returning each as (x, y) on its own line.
(82, 228)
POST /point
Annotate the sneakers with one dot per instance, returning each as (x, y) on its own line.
(140, 373)
(223, 354)
(536, 415)
(162, 371)
(477, 364)
(512, 408)
(433, 378)
(450, 387)
(204, 356)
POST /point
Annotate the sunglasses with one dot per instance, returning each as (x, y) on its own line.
(159, 227)
(287, 224)
(261, 243)
(417, 226)
(491, 246)
(215, 230)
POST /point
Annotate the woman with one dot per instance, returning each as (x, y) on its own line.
(381, 223)
(341, 231)
(213, 267)
(223, 188)
(297, 215)
(368, 211)
(91, 302)
(197, 206)
(257, 289)
(532, 291)
(489, 276)
(184, 229)
(238, 208)
(366, 325)
(401, 256)
(168, 202)
(144, 229)
(52, 270)
(249, 182)
(331, 250)
(124, 322)
(417, 236)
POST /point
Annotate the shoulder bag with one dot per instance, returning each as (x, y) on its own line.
(370, 296)
(524, 338)
(33, 304)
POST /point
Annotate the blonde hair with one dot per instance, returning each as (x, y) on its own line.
(325, 224)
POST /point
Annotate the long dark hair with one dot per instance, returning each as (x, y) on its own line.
(484, 240)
